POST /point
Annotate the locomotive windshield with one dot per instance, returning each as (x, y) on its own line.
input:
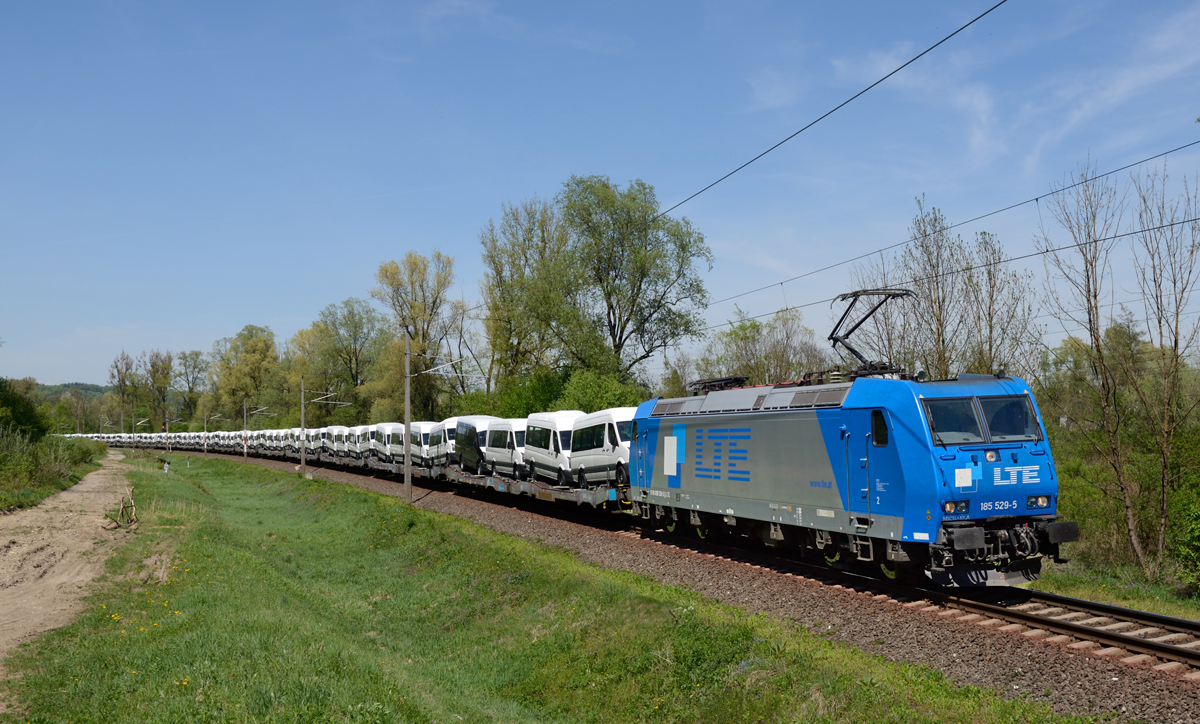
(1007, 418)
(954, 421)
(1010, 418)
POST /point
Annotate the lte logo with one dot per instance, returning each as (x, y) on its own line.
(1027, 474)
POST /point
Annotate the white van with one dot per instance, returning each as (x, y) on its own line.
(418, 436)
(447, 454)
(360, 444)
(338, 439)
(388, 443)
(505, 452)
(548, 446)
(600, 447)
(471, 441)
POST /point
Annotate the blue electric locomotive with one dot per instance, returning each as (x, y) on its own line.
(951, 478)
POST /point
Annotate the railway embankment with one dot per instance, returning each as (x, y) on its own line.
(1070, 680)
(293, 599)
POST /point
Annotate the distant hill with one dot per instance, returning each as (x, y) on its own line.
(51, 393)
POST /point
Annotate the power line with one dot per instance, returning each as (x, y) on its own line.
(1010, 207)
(978, 266)
(835, 109)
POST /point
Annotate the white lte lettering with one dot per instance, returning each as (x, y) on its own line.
(1027, 474)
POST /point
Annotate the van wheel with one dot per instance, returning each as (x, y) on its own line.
(563, 479)
(531, 474)
(581, 479)
(621, 481)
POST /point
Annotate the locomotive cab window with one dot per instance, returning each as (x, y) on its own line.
(1010, 418)
(954, 421)
(879, 430)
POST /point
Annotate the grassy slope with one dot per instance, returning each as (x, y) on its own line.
(294, 600)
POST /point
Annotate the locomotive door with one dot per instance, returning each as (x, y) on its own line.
(858, 488)
(875, 481)
(639, 452)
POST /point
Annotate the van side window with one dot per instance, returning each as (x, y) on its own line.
(555, 439)
(879, 431)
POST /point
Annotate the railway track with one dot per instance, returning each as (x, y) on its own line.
(1134, 637)
(1139, 638)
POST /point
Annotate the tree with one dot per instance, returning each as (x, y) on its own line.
(354, 339)
(19, 411)
(1090, 210)
(523, 258)
(1001, 333)
(1166, 255)
(190, 375)
(158, 371)
(677, 375)
(969, 311)
(120, 373)
(243, 366)
(415, 291)
(781, 349)
(631, 287)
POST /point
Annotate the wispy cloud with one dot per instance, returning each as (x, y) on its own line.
(772, 88)
(1159, 55)
(946, 83)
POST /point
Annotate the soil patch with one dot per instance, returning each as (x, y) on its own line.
(50, 553)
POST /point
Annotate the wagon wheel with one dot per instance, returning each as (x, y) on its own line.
(889, 571)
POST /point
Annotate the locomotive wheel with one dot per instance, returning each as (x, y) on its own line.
(830, 561)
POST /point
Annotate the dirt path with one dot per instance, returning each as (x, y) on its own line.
(48, 554)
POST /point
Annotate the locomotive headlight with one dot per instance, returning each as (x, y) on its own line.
(951, 507)
(991, 456)
(1038, 501)
(948, 507)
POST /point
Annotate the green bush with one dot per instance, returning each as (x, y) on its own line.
(31, 469)
(18, 412)
(589, 391)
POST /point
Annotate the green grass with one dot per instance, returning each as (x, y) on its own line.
(31, 471)
(1118, 586)
(292, 600)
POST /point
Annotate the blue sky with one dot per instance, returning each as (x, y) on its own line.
(171, 172)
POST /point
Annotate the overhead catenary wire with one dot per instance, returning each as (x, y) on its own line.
(975, 266)
(1010, 207)
(835, 109)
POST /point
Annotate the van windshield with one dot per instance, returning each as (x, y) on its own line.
(623, 429)
(565, 437)
(520, 435)
(954, 421)
(425, 439)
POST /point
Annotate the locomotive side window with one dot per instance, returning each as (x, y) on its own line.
(1010, 418)
(879, 431)
(954, 421)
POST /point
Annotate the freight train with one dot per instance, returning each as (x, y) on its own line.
(950, 480)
